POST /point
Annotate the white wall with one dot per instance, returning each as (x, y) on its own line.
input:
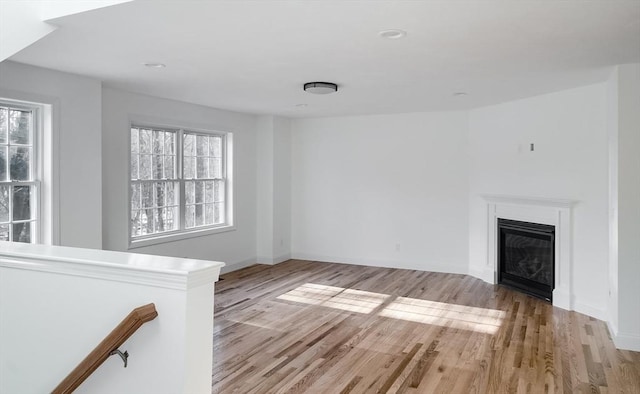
(236, 247)
(76, 103)
(264, 189)
(282, 190)
(612, 134)
(627, 79)
(273, 156)
(387, 190)
(569, 130)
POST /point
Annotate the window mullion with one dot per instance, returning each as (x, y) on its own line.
(10, 198)
(139, 157)
(7, 158)
(180, 161)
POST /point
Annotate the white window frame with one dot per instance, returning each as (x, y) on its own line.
(36, 137)
(182, 232)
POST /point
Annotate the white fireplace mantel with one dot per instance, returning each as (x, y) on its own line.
(554, 212)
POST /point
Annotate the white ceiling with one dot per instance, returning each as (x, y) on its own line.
(254, 56)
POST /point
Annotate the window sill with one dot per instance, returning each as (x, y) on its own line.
(177, 236)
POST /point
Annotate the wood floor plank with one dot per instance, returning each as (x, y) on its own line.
(312, 327)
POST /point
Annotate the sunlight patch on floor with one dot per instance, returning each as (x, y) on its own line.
(335, 297)
(463, 317)
(443, 314)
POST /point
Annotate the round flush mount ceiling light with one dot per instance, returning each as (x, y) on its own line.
(392, 34)
(154, 65)
(320, 87)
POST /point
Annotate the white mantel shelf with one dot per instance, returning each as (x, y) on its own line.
(539, 201)
(554, 212)
(149, 270)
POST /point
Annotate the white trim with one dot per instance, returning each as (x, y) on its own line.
(178, 235)
(273, 260)
(401, 264)
(554, 212)
(50, 116)
(478, 273)
(623, 340)
(535, 201)
(626, 342)
(51, 173)
(36, 126)
(148, 270)
(230, 267)
(282, 258)
(589, 310)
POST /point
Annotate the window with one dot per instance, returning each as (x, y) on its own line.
(19, 186)
(179, 182)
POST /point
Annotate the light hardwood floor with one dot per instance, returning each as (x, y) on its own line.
(309, 327)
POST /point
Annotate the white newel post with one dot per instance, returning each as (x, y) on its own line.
(552, 212)
(58, 303)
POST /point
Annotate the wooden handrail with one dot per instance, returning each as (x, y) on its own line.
(111, 342)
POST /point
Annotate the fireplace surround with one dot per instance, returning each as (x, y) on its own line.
(553, 212)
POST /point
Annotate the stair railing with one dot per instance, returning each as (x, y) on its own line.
(109, 346)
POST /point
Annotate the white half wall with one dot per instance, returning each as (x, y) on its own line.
(76, 105)
(385, 190)
(236, 247)
(57, 304)
(569, 161)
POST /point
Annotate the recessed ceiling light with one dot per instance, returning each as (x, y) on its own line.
(301, 105)
(392, 34)
(320, 87)
(460, 94)
(155, 65)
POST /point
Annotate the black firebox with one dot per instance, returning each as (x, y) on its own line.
(526, 257)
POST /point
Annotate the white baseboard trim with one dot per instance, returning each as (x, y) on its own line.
(623, 340)
(282, 259)
(613, 329)
(476, 273)
(273, 260)
(627, 342)
(230, 267)
(563, 299)
(264, 260)
(483, 274)
(589, 310)
(420, 266)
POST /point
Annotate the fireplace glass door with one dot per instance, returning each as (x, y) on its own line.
(526, 257)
